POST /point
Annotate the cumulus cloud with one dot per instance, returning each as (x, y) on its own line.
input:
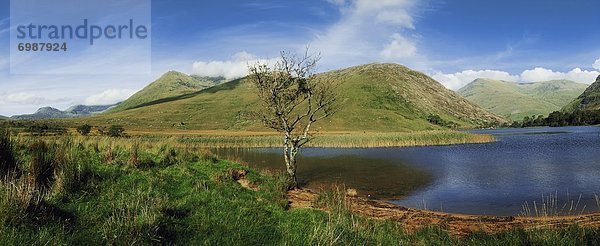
(456, 81)
(596, 64)
(369, 31)
(237, 67)
(543, 74)
(400, 47)
(28, 98)
(108, 97)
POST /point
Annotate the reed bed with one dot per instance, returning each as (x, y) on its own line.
(552, 206)
(355, 140)
(347, 140)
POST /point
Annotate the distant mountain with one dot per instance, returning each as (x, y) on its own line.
(373, 97)
(588, 100)
(171, 84)
(86, 110)
(72, 112)
(3, 117)
(517, 100)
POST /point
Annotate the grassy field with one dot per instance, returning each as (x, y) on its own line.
(95, 191)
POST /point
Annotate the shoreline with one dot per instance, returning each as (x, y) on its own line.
(456, 224)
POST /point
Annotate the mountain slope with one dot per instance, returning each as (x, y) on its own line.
(53, 113)
(171, 84)
(374, 97)
(3, 117)
(588, 100)
(517, 100)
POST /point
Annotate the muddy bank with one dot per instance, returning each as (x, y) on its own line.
(456, 224)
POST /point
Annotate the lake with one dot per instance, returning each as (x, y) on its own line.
(559, 167)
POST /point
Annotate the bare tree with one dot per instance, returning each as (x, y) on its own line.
(294, 98)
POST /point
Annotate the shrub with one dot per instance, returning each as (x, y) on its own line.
(113, 131)
(84, 129)
(437, 120)
(72, 169)
(46, 129)
(8, 162)
(41, 168)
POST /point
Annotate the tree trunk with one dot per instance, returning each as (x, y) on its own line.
(289, 153)
(291, 169)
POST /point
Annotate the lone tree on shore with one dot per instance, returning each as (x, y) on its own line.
(293, 99)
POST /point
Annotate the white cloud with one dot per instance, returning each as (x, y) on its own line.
(597, 64)
(108, 97)
(28, 98)
(243, 56)
(543, 74)
(24, 98)
(456, 81)
(385, 11)
(400, 47)
(369, 31)
(237, 67)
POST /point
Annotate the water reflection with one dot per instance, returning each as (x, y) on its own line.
(319, 168)
(494, 178)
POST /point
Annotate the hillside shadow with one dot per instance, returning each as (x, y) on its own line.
(222, 87)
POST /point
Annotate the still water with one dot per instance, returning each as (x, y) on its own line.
(523, 165)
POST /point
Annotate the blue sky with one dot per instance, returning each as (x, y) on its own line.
(454, 41)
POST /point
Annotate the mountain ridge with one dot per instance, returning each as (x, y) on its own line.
(517, 100)
(170, 84)
(71, 112)
(375, 97)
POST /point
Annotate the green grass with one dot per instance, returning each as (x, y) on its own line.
(171, 84)
(515, 101)
(137, 192)
(374, 98)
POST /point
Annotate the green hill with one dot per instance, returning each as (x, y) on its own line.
(171, 84)
(588, 100)
(374, 97)
(3, 117)
(517, 100)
